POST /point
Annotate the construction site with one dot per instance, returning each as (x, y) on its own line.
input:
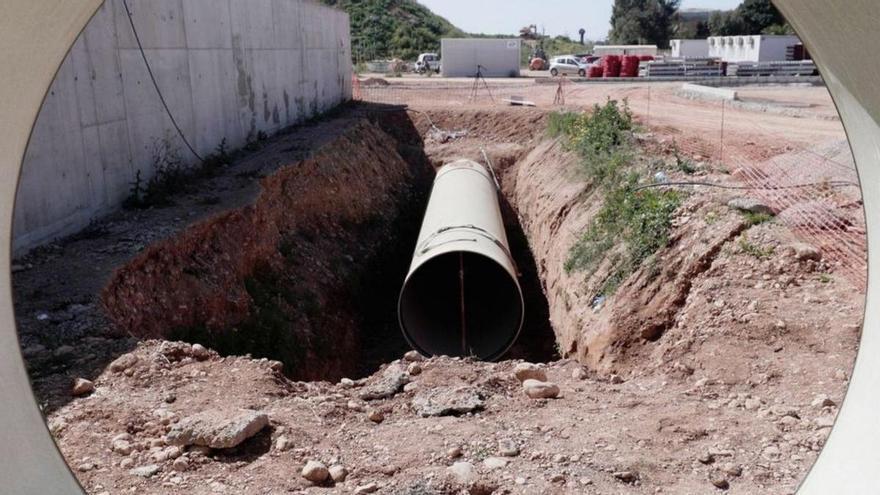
(219, 286)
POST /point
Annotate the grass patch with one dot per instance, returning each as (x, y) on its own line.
(755, 250)
(753, 219)
(631, 225)
(686, 166)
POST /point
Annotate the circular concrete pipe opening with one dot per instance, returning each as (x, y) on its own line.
(461, 304)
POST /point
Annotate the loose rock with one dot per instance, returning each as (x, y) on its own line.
(625, 476)
(454, 453)
(751, 205)
(720, 483)
(495, 462)
(529, 371)
(392, 381)
(822, 401)
(180, 465)
(217, 429)
(448, 401)
(414, 369)
(508, 448)
(200, 352)
(540, 390)
(283, 443)
(375, 416)
(123, 362)
(315, 471)
(368, 488)
(413, 356)
(338, 473)
(122, 447)
(145, 471)
(82, 387)
(806, 252)
(463, 472)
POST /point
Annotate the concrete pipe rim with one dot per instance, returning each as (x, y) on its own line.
(500, 350)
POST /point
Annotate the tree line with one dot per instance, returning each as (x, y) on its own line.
(657, 21)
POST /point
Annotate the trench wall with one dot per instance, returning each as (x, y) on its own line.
(228, 69)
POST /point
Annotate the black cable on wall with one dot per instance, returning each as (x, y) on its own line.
(156, 85)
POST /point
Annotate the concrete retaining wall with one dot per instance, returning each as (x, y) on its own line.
(227, 68)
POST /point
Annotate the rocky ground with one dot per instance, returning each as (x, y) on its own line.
(736, 395)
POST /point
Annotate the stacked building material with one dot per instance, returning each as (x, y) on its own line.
(611, 65)
(630, 66)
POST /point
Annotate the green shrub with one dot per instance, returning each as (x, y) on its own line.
(601, 138)
(631, 225)
(639, 222)
(561, 123)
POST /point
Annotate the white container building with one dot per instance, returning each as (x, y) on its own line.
(757, 48)
(460, 57)
(689, 48)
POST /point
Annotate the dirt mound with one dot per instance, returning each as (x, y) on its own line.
(614, 334)
(374, 81)
(263, 278)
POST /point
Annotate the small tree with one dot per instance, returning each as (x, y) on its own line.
(758, 15)
(727, 23)
(639, 21)
(751, 17)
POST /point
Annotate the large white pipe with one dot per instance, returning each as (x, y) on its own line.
(461, 296)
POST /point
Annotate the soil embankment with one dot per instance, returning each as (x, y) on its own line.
(293, 275)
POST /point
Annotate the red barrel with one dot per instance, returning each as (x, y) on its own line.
(630, 66)
(611, 65)
(646, 58)
(596, 71)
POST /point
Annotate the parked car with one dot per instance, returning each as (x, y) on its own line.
(427, 62)
(567, 64)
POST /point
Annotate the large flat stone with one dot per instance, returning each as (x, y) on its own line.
(448, 401)
(217, 429)
(392, 381)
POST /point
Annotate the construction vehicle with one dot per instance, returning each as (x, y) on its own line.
(427, 62)
(538, 60)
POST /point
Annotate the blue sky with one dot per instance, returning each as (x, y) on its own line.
(556, 16)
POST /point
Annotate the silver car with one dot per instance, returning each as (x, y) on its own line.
(567, 64)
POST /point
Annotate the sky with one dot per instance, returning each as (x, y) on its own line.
(557, 17)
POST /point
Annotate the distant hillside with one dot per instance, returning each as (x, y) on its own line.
(393, 28)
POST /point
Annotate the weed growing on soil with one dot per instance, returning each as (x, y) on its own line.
(753, 219)
(755, 250)
(631, 225)
(170, 175)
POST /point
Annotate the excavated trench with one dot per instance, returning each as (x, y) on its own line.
(309, 274)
